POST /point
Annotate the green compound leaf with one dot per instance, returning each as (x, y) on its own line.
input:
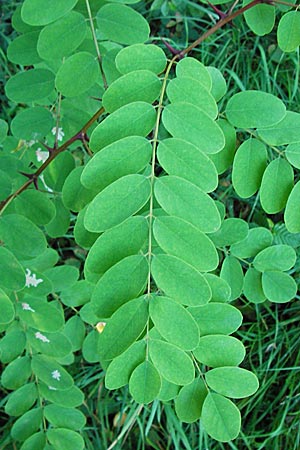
(189, 402)
(64, 439)
(21, 400)
(35, 442)
(232, 382)
(78, 73)
(123, 157)
(12, 273)
(186, 121)
(180, 280)
(32, 123)
(69, 398)
(145, 383)
(168, 391)
(51, 373)
(63, 417)
(40, 315)
(16, 373)
(58, 170)
(223, 159)
(292, 154)
(174, 322)
(29, 86)
(288, 32)
(216, 318)
(195, 92)
(41, 12)
(75, 331)
(219, 87)
(182, 239)
(90, 347)
(172, 363)
(27, 424)
(122, 282)
(218, 351)
(60, 223)
(221, 418)
(122, 24)
(276, 257)
(36, 206)
(27, 240)
(7, 308)
(260, 19)
(115, 244)
(232, 230)
(192, 68)
(140, 85)
(232, 272)
(121, 368)
(56, 345)
(75, 196)
(123, 328)
(137, 118)
(130, 193)
(3, 130)
(276, 185)
(82, 236)
(220, 289)
(257, 239)
(141, 57)
(78, 294)
(278, 287)
(6, 185)
(62, 277)
(254, 109)
(62, 37)
(249, 164)
(12, 345)
(284, 132)
(292, 211)
(180, 198)
(252, 289)
(22, 50)
(183, 159)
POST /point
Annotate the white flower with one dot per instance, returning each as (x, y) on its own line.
(59, 132)
(30, 143)
(56, 375)
(41, 155)
(44, 183)
(27, 307)
(31, 280)
(41, 337)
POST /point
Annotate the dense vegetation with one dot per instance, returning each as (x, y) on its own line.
(149, 225)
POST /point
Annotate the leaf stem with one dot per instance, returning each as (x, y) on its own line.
(96, 43)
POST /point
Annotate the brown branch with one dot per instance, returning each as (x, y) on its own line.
(32, 178)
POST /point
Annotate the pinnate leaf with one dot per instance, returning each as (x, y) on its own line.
(288, 32)
(171, 362)
(221, 418)
(232, 382)
(181, 198)
(254, 109)
(117, 202)
(174, 322)
(145, 383)
(123, 328)
(180, 280)
(122, 24)
(189, 402)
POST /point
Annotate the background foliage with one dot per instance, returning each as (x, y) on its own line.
(248, 61)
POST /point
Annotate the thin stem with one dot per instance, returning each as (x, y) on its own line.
(96, 42)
